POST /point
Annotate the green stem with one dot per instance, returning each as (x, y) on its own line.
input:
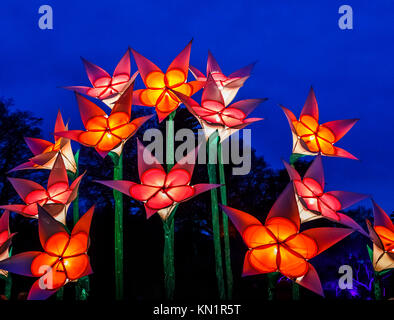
(295, 291)
(118, 197)
(272, 278)
(377, 289)
(223, 197)
(168, 258)
(212, 149)
(8, 286)
(60, 293)
(169, 223)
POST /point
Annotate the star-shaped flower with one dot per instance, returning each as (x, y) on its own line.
(310, 138)
(64, 258)
(55, 199)
(228, 85)
(214, 115)
(315, 203)
(45, 152)
(106, 132)
(160, 86)
(104, 87)
(160, 191)
(382, 235)
(279, 246)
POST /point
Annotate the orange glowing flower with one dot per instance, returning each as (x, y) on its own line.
(160, 191)
(310, 138)
(106, 132)
(214, 115)
(314, 202)
(45, 152)
(160, 86)
(279, 246)
(228, 85)
(55, 199)
(382, 236)
(64, 258)
(106, 88)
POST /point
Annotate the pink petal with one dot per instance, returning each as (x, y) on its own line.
(146, 160)
(87, 109)
(123, 67)
(240, 219)
(316, 172)
(142, 192)
(347, 199)
(144, 65)
(181, 193)
(310, 107)
(311, 281)
(94, 72)
(327, 237)
(37, 146)
(340, 127)
(181, 61)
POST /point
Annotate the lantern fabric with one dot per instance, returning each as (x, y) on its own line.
(55, 199)
(214, 115)
(382, 236)
(104, 132)
(315, 203)
(160, 87)
(228, 85)
(279, 246)
(107, 88)
(5, 238)
(310, 138)
(45, 152)
(63, 259)
(160, 191)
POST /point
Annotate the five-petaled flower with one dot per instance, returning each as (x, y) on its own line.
(160, 86)
(310, 138)
(106, 88)
(55, 199)
(382, 236)
(214, 115)
(228, 85)
(64, 258)
(45, 152)
(314, 202)
(160, 191)
(279, 246)
(106, 132)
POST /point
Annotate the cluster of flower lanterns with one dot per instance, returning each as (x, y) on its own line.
(275, 246)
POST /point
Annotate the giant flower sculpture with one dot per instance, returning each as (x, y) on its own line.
(55, 199)
(5, 238)
(160, 86)
(279, 246)
(160, 191)
(107, 88)
(64, 257)
(314, 202)
(213, 114)
(45, 152)
(312, 138)
(105, 132)
(382, 235)
(228, 85)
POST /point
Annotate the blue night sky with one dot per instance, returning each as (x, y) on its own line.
(296, 43)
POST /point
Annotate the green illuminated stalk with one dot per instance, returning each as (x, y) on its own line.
(212, 149)
(272, 278)
(377, 289)
(169, 223)
(118, 198)
(223, 197)
(8, 286)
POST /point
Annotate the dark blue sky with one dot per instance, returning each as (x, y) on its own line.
(297, 44)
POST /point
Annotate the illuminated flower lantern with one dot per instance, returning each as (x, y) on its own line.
(63, 260)
(214, 115)
(104, 87)
(310, 138)
(382, 235)
(279, 246)
(315, 203)
(5, 238)
(105, 132)
(228, 86)
(45, 152)
(55, 199)
(160, 86)
(160, 191)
